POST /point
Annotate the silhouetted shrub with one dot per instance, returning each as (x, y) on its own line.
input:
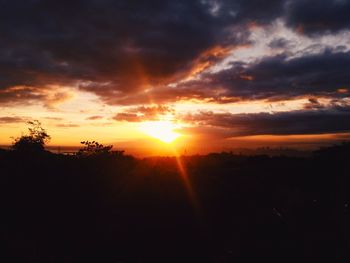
(96, 149)
(33, 142)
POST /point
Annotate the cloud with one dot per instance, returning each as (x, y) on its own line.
(281, 43)
(19, 94)
(330, 120)
(129, 117)
(117, 47)
(129, 52)
(96, 117)
(277, 78)
(10, 119)
(51, 100)
(68, 125)
(152, 110)
(54, 118)
(314, 17)
(50, 97)
(144, 113)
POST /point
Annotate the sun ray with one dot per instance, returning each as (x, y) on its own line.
(187, 183)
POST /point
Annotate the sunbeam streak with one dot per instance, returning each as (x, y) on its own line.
(187, 183)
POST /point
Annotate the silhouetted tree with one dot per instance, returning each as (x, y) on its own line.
(96, 149)
(34, 141)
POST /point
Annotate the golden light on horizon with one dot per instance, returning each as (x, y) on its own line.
(161, 130)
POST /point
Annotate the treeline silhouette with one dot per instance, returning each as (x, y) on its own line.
(105, 206)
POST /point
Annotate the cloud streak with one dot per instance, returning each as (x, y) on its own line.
(331, 120)
(11, 119)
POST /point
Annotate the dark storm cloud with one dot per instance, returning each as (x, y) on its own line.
(116, 49)
(281, 78)
(125, 44)
(330, 120)
(318, 16)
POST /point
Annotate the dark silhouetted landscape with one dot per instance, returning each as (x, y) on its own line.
(101, 205)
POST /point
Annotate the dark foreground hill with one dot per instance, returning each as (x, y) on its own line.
(214, 208)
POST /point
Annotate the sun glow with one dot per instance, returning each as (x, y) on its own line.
(161, 130)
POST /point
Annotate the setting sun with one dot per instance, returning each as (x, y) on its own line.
(161, 130)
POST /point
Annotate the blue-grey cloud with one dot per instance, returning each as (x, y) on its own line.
(313, 17)
(330, 120)
(278, 78)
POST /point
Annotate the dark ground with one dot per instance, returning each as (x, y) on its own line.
(57, 208)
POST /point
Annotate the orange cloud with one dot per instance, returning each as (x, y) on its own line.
(207, 59)
(247, 77)
(144, 113)
(343, 90)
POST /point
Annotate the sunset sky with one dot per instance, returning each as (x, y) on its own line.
(205, 75)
